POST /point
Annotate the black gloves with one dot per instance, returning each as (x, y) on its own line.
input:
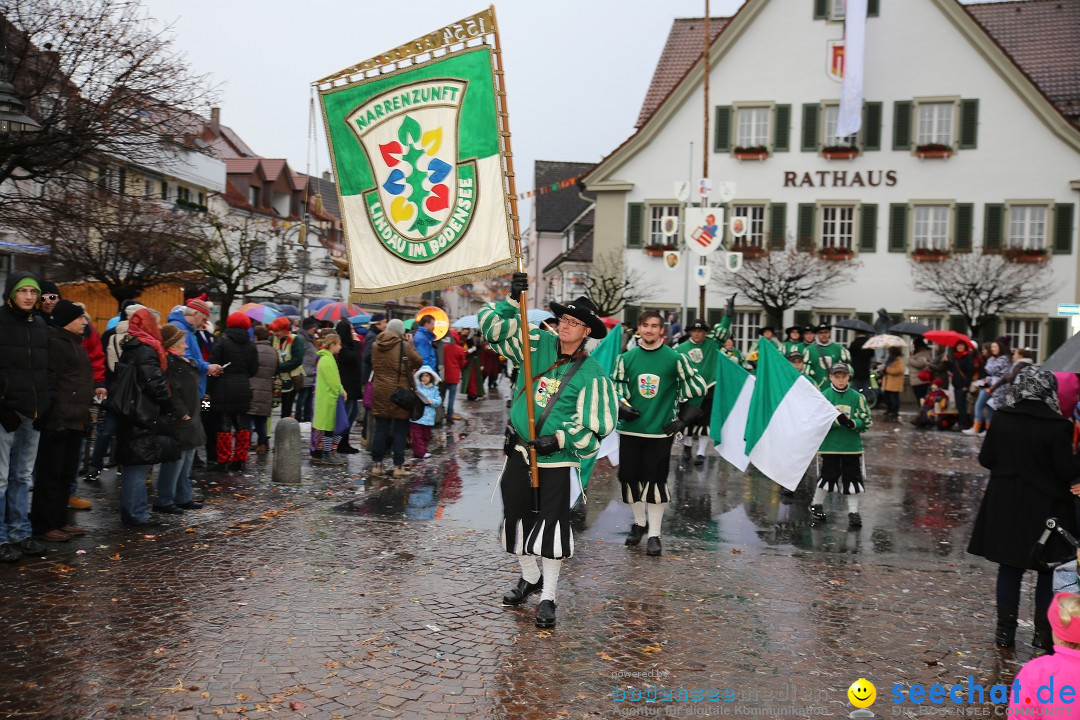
(9, 419)
(690, 414)
(674, 427)
(846, 421)
(546, 444)
(519, 283)
(628, 412)
(730, 311)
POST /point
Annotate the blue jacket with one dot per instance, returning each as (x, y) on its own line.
(192, 352)
(423, 341)
(430, 393)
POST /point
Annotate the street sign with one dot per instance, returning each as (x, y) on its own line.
(1068, 310)
(702, 229)
(725, 191)
(682, 190)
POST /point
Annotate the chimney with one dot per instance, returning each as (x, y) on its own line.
(215, 120)
(327, 176)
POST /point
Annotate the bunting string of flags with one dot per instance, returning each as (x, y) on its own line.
(547, 188)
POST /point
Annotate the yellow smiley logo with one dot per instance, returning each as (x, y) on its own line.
(862, 693)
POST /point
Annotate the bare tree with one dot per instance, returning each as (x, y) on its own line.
(125, 242)
(612, 286)
(102, 81)
(979, 287)
(779, 281)
(238, 254)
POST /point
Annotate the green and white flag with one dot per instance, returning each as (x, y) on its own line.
(787, 419)
(417, 157)
(605, 353)
(731, 407)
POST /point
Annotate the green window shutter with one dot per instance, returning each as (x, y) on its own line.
(993, 227)
(873, 8)
(777, 226)
(964, 222)
(969, 124)
(722, 133)
(805, 241)
(1063, 228)
(714, 315)
(809, 127)
(630, 314)
(634, 224)
(782, 136)
(1056, 334)
(958, 323)
(898, 215)
(820, 10)
(868, 229)
(865, 317)
(691, 316)
(803, 318)
(901, 130)
(988, 329)
(872, 126)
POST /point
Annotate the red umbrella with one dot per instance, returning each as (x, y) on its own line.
(337, 310)
(609, 322)
(948, 338)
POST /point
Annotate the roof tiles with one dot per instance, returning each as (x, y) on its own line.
(555, 210)
(683, 49)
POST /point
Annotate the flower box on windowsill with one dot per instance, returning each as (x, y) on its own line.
(835, 253)
(839, 152)
(1026, 255)
(657, 250)
(933, 151)
(754, 152)
(929, 255)
(749, 252)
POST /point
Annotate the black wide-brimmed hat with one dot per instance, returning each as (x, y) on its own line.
(796, 328)
(584, 310)
(823, 328)
(699, 324)
(761, 330)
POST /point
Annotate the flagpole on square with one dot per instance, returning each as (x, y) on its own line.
(523, 301)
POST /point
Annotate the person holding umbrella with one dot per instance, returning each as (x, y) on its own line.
(961, 371)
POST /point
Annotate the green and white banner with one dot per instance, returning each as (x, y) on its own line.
(421, 182)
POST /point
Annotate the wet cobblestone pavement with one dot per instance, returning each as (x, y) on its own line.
(355, 597)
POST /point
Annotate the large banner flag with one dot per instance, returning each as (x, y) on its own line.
(605, 353)
(849, 118)
(417, 156)
(787, 420)
(730, 410)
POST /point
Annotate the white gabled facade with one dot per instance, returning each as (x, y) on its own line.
(1014, 166)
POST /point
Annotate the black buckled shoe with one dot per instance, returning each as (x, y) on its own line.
(653, 547)
(545, 614)
(521, 592)
(636, 533)
(817, 513)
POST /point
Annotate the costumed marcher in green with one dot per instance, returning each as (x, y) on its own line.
(701, 351)
(794, 341)
(822, 355)
(840, 467)
(654, 381)
(765, 334)
(574, 402)
(809, 336)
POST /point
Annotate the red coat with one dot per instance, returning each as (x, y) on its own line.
(453, 363)
(92, 345)
(489, 360)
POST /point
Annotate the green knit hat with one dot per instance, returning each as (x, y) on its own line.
(25, 282)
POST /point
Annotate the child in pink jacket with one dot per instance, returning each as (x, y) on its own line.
(1052, 682)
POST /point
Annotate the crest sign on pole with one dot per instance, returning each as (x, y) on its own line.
(703, 229)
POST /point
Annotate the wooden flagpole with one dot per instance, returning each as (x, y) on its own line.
(523, 302)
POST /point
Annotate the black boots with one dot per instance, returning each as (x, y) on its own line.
(1005, 635)
(636, 533)
(521, 592)
(1044, 635)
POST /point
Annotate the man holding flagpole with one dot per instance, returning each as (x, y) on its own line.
(574, 403)
(652, 379)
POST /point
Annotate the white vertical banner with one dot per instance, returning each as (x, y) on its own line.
(849, 120)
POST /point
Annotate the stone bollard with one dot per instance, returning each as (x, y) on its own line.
(287, 452)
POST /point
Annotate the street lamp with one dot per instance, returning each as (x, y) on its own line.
(12, 117)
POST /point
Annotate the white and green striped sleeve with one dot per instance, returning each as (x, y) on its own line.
(861, 415)
(500, 324)
(594, 418)
(622, 386)
(691, 383)
(721, 331)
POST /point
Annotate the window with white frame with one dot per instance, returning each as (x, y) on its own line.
(935, 123)
(1027, 227)
(754, 216)
(657, 213)
(836, 9)
(930, 230)
(832, 116)
(837, 226)
(753, 127)
(1024, 333)
(744, 327)
(934, 322)
(839, 335)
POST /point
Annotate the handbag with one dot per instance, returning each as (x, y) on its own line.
(369, 395)
(341, 418)
(404, 398)
(125, 395)
(1051, 555)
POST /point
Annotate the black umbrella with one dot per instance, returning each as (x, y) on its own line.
(1066, 358)
(854, 324)
(910, 328)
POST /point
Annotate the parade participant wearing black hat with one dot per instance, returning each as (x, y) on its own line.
(822, 355)
(651, 379)
(794, 341)
(574, 406)
(702, 352)
(840, 466)
(767, 334)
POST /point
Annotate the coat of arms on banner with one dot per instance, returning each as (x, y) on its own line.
(648, 385)
(834, 60)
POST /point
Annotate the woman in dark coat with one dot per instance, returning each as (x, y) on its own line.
(71, 387)
(230, 392)
(1028, 451)
(350, 361)
(393, 362)
(961, 373)
(174, 477)
(262, 388)
(146, 437)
